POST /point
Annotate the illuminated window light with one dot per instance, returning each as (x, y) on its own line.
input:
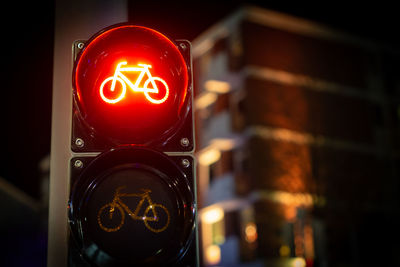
(298, 262)
(124, 81)
(209, 156)
(291, 199)
(224, 144)
(205, 99)
(284, 251)
(219, 87)
(212, 215)
(251, 232)
(213, 254)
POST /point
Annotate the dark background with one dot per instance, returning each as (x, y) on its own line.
(27, 37)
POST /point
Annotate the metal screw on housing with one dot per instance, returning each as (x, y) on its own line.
(185, 142)
(80, 45)
(182, 45)
(78, 163)
(185, 163)
(79, 142)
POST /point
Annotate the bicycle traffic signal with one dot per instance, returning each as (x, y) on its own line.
(132, 196)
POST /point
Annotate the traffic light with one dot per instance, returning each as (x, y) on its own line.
(132, 179)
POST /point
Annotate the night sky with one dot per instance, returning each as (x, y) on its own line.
(28, 49)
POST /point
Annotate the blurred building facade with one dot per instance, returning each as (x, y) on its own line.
(298, 130)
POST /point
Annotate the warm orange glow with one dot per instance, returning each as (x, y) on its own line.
(219, 87)
(290, 212)
(205, 99)
(224, 144)
(298, 239)
(143, 70)
(308, 242)
(299, 262)
(213, 254)
(209, 156)
(290, 199)
(212, 215)
(213, 233)
(251, 232)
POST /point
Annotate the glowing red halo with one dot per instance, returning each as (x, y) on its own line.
(142, 101)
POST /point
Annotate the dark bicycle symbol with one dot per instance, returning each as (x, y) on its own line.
(152, 213)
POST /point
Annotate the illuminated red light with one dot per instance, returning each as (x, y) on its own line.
(124, 81)
(130, 85)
